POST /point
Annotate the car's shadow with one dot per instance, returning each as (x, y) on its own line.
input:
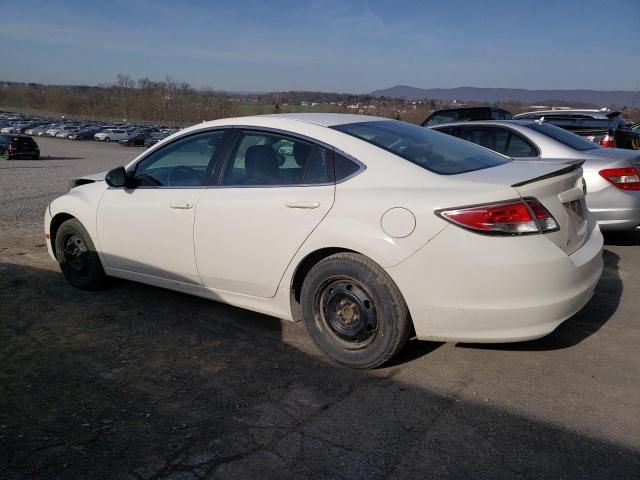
(582, 325)
(54, 157)
(622, 239)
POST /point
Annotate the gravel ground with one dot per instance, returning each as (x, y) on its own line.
(27, 186)
(135, 382)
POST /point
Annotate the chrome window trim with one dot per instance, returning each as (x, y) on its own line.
(361, 166)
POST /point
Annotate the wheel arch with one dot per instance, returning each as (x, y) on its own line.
(54, 226)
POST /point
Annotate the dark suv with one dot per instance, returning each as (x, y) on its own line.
(18, 146)
(464, 114)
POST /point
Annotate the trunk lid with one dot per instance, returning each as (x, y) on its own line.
(563, 195)
(558, 186)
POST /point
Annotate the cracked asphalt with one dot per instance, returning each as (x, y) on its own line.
(135, 382)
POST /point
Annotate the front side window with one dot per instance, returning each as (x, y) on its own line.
(264, 159)
(427, 148)
(181, 163)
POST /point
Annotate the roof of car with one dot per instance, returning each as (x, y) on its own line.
(324, 119)
(522, 122)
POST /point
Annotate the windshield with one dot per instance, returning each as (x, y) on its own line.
(431, 150)
(563, 136)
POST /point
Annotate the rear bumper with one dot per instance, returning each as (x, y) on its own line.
(469, 288)
(615, 209)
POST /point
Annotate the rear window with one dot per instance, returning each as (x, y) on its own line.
(564, 136)
(24, 142)
(431, 150)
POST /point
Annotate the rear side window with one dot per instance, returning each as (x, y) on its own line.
(431, 150)
(563, 136)
(344, 167)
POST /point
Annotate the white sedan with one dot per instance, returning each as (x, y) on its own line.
(112, 134)
(365, 228)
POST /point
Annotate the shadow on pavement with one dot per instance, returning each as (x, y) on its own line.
(622, 239)
(140, 382)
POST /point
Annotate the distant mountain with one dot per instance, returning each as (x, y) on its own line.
(615, 98)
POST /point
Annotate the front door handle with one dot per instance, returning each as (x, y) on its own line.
(181, 204)
(302, 204)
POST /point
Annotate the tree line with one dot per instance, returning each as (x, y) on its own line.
(166, 101)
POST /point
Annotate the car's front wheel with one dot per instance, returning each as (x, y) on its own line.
(77, 257)
(107, 139)
(353, 311)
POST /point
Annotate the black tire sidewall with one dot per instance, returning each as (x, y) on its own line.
(95, 278)
(390, 307)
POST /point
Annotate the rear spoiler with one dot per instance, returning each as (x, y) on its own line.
(574, 165)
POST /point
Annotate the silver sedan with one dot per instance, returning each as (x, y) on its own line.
(611, 174)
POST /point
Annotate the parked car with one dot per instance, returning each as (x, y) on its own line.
(86, 134)
(611, 174)
(369, 229)
(155, 138)
(134, 140)
(111, 134)
(608, 129)
(18, 146)
(465, 114)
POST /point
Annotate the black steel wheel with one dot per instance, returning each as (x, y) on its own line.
(353, 311)
(347, 311)
(77, 256)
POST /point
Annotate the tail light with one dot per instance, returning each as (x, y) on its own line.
(515, 217)
(623, 178)
(608, 141)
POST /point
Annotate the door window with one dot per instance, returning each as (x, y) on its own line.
(181, 163)
(500, 140)
(262, 159)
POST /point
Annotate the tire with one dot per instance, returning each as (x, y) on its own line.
(35, 157)
(107, 139)
(77, 257)
(354, 311)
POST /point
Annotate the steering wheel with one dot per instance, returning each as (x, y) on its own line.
(183, 176)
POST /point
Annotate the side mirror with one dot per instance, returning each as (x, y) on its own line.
(117, 177)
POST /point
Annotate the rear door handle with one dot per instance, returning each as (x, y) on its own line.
(181, 204)
(302, 204)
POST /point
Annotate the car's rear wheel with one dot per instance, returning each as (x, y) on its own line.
(353, 311)
(77, 257)
(36, 156)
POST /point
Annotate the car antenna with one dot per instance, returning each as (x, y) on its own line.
(540, 120)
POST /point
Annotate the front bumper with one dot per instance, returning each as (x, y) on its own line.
(47, 232)
(470, 288)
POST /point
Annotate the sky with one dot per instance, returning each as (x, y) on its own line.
(353, 46)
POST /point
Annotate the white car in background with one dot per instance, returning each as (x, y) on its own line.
(111, 135)
(364, 228)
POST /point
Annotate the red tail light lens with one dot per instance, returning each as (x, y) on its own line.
(608, 141)
(516, 217)
(623, 178)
